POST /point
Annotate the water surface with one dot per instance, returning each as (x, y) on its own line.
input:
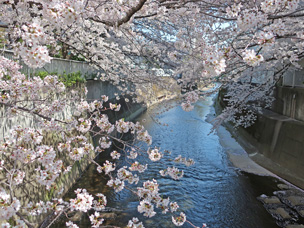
(212, 191)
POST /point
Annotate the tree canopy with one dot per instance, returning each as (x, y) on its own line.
(244, 45)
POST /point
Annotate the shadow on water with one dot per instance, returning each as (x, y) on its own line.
(212, 190)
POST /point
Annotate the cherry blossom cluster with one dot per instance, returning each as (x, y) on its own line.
(19, 224)
(187, 106)
(70, 224)
(100, 203)
(103, 123)
(123, 127)
(17, 89)
(173, 172)
(137, 166)
(201, 41)
(214, 63)
(116, 184)
(96, 220)
(134, 223)
(250, 19)
(180, 220)
(271, 6)
(83, 202)
(154, 154)
(77, 147)
(251, 58)
(266, 38)
(187, 162)
(115, 155)
(32, 49)
(190, 98)
(26, 145)
(15, 177)
(234, 10)
(108, 167)
(150, 197)
(125, 175)
(8, 206)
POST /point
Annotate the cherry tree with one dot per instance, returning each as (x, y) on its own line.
(245, 45)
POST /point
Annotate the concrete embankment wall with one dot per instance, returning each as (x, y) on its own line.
(35, 192)
(129, 111)
(290, 102)
(275, 141)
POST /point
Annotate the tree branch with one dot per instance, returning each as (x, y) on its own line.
(30, 111)
(3, 26)
(125, 19)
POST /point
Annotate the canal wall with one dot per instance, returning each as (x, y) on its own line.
(289, 102)
(35, 192)
(275, 141)
(147, 95)
(129, 111)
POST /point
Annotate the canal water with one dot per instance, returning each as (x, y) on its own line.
(212, 191)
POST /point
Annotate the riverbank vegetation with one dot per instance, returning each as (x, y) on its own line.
(68, 80)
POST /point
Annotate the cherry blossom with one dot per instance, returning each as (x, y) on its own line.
(122, 126)
(71, 225)
(100, 203)
(251, 58)
(180, 220)
(194, 43)
(16, 177)
(108, 167)
(83, 202)
(96, 219)
(134, 223)
(173, 206)
(123, 174)
(136, 166)
(173, 172)
(154, 155)
(115, 155)
(117, 184)
(146, 208)
(9, 206)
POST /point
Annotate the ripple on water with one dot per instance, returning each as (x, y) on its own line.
(212, 191)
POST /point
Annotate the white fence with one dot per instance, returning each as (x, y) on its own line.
(57, 66)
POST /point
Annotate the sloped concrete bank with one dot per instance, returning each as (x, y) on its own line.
(275, 142)
(129, 112)
(236, 153)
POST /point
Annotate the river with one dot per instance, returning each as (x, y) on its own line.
(212, 191)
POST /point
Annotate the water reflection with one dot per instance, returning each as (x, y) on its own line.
(212, 191)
